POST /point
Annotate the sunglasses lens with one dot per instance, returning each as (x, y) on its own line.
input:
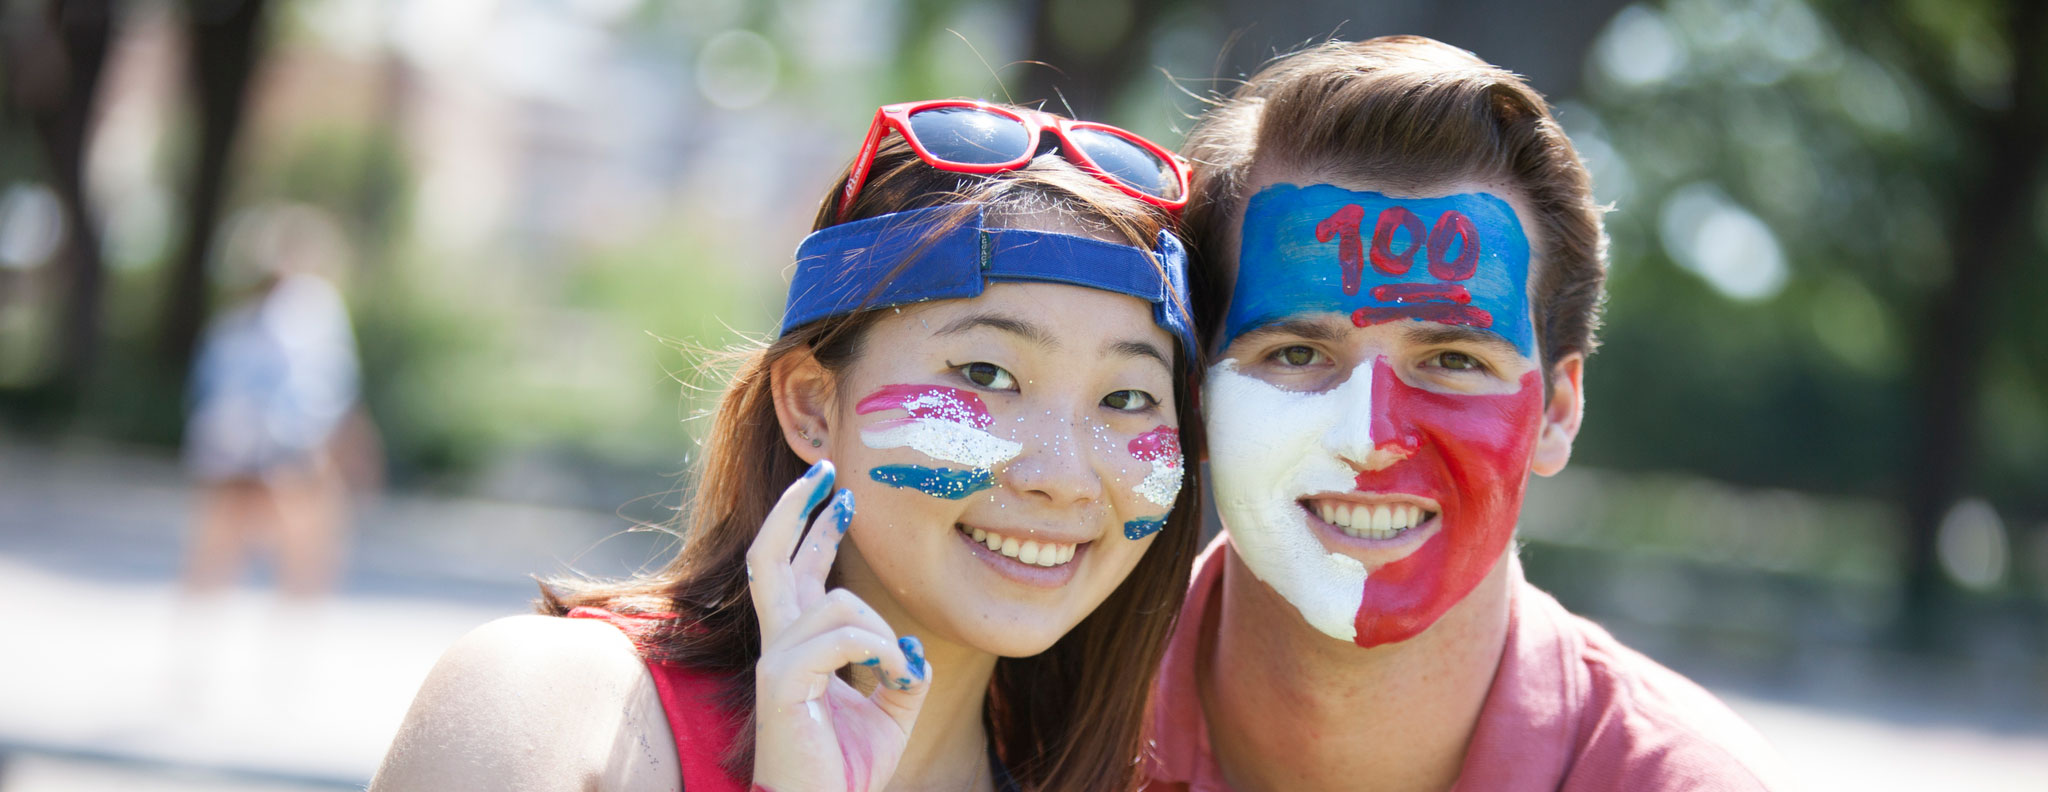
(1128, 162)
(970, 136)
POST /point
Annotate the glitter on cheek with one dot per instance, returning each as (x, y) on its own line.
(947, 424)
(1161, 448)
(1143, 527)
(936, 482)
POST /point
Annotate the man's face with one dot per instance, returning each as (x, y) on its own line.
(1379, 399)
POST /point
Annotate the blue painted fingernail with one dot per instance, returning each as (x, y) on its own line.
(913, 653)
(824, 485)
(842, 510)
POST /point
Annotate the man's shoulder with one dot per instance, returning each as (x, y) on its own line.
(1642, 725)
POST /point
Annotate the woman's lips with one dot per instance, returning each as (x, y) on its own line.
(1039, 563)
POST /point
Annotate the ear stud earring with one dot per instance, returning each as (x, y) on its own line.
(815, 442)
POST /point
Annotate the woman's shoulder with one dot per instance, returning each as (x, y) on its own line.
(535, 702)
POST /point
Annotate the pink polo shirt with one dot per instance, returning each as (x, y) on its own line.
(1570, 709)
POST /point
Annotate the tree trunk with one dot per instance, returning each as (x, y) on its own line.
(63, 112)
(226, 43)
(1081, 75)
(1987, 232)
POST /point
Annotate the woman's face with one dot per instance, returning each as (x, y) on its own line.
(1011, 457)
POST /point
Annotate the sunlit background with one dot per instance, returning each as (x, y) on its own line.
(1813, 474)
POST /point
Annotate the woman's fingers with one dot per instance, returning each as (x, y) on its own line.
(900, 697)
(813, 561)
(769, 577)
(899, 667)
(801, 671)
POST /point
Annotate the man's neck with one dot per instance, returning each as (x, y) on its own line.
(1290, 708)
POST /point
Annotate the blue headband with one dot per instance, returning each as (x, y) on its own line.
(837, 268)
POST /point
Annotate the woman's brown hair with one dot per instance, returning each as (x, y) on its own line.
(1069, 718)
(1409, 112)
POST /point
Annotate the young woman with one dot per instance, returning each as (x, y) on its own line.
(986, 351)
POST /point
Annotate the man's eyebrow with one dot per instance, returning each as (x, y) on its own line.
(1131, 349)
(1305, 329)
(1433, 334)
(1008, 324)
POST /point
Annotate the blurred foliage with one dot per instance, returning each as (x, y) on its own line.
(1852, 161)
(1789, 180)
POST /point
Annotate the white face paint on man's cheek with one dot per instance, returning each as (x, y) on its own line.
(1266, 449)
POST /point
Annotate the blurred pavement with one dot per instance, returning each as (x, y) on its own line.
(114, 682)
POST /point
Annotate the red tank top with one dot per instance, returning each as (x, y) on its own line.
(689, 698)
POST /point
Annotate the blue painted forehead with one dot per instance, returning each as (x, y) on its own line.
(1459, 259)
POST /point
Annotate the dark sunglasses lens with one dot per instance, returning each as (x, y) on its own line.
(1128, 162)
(969, 136)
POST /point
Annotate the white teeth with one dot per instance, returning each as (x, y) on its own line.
(1036, 553)
(1382, 521)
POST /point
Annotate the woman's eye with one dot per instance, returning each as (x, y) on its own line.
(1458, 361)
(1297, 355)
(1129, 401)
(989, 375)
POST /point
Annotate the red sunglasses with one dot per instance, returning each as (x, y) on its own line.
(976, 137)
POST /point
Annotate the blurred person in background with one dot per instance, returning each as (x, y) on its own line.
(275, 435)
(987, 344)
(1407, 267)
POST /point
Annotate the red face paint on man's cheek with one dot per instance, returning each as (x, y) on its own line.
(1474, 455)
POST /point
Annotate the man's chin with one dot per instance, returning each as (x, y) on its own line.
(1326, 588)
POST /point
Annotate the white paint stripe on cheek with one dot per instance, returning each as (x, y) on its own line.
(1162, 485)
(1266, 450)
(944, 440)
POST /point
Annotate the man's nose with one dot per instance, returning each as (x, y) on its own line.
(1057, 463)
(1370, 433)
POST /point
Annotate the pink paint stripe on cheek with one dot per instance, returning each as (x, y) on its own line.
(1162, 444)
(936, 402)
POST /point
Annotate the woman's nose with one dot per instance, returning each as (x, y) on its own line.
(1057, 464)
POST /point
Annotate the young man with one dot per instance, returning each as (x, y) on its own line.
(1403, 268)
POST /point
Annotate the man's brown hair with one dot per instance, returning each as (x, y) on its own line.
(1407, 112)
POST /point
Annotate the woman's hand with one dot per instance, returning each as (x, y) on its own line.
(805, 717)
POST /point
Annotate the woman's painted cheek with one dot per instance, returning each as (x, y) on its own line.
(1160, 450)
(947, 424)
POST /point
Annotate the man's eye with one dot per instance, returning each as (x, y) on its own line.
(1297, 355)
(1458, 361)
(988, 375)
(1129, 401)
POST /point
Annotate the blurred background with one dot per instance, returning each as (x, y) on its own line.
(1813, 474)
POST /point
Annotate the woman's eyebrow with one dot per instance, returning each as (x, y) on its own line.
(1008, 324)
(1131, 349)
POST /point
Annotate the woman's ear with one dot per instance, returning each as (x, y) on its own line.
(803, 392)
(1561, 415)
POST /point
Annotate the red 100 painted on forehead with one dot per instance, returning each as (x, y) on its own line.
(1460, 259)
(1302, 478)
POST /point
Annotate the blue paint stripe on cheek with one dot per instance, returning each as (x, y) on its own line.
(1143, 527)
(936, 482)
